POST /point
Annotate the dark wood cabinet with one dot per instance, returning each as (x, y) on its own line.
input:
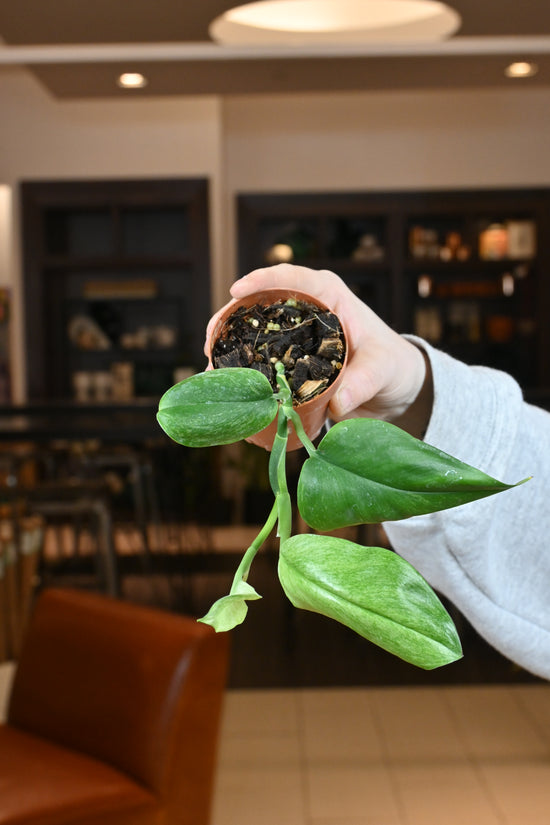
(467, 270)
(116, 285)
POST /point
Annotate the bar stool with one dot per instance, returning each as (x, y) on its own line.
(139, 470)
(78, 505)
(91, 511)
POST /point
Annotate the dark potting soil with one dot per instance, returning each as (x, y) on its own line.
(308, 340)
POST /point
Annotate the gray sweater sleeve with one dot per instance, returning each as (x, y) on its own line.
(491, 558)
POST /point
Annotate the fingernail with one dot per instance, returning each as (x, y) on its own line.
(344, 401)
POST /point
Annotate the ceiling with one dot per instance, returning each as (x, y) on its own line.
(65, 44)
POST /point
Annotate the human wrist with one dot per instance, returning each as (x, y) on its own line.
(416, 417)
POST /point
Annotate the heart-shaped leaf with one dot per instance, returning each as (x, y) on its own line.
(217, 407)
(374, 592)
(367, 471)
(230, 611)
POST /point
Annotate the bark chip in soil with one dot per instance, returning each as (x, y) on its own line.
(308, 340)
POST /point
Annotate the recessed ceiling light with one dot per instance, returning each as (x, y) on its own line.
(132, 80)
(521, 69)
(298, 22)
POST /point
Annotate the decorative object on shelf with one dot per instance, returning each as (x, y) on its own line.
(160, 336)
(428, 323)
(522, 239)
(82, 386)
(102, 385)
(424, 243)
(463, 252)
(463, 322)
(508, 284)
(298, 240)
(424, 286)
(92, 385)
(279, 253)
(493, 242)
(86, 334)
(368, 249)
(455, 249)
(122, 380)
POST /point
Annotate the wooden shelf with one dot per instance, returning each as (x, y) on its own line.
(152, 234)
(391, 285)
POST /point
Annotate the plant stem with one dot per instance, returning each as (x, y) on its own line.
(277, 461)
(243, 569)
(285, 396)
(277, 477)
(300, 432)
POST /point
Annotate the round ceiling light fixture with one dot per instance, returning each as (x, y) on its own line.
(521, 68)
(131, 80)
(334, 22)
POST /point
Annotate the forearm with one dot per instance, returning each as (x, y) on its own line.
(491, 557)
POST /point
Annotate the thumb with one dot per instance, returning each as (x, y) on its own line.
(360, 384)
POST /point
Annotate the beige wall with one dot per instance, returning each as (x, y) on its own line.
(265, 143)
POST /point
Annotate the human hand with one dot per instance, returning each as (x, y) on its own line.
(386, 375)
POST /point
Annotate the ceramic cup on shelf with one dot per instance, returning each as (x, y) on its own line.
(313, 413)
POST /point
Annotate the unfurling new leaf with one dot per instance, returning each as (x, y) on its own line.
(230, 611)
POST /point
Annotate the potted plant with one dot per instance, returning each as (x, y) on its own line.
(362, 471)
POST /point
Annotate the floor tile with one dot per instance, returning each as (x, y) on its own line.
(339, 727)
(535, 701)
(258, 711)
(364, 792)
(355, 820)
(450, 793)
(415, 724)
(263, 749)
(493, 724)
(521, 791)
(253, 796)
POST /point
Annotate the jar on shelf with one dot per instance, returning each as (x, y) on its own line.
(493, 242)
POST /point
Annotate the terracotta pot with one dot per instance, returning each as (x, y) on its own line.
(313, 413)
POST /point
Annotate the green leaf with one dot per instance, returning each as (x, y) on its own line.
(374, 592)
(217, 407)
(368, 471)
(230, 611)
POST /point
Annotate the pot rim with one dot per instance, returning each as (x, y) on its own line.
(313, 410)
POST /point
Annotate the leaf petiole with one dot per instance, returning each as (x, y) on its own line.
(241, 574)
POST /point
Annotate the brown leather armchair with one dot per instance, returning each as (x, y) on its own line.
(113, 717)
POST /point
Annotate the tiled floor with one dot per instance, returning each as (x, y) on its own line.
(447, 755)
(386, 756)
